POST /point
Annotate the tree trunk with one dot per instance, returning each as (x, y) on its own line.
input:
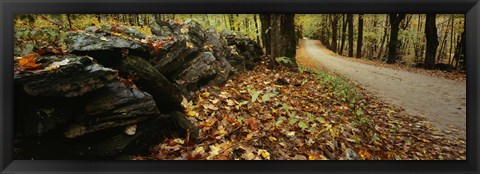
(417, 46)
(360, 36)
(451, 39)
(334, 20)
(232, 23)
(344, 30)
(385, 33)
(441, 52)
(432, 41)
(238, 26)
(350, 34)
(225, 18)
(257, 29)
(265, 20)
(283, 38)
(395, 20)
(69, 21)
(460, 50)
(99, 18)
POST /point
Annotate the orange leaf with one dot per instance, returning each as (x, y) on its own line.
(29, 62)
(176, 21)
(157, 47)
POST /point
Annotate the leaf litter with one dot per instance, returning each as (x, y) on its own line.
(254, 117)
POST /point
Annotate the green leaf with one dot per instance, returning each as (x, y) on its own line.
(280, 121)
(255, 95)
(320, 119)
(303, 125)
(242, 103)
(309, 116)
(292, 121)
(241, 120)
(283, 60)
(29, 47)
(285, 107)
(52, 33)
(33, 32)
(292, 115)
(359, 112)
(267, 96)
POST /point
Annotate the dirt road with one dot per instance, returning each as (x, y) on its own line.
(441, 101)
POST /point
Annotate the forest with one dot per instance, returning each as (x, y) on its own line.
(240, 86)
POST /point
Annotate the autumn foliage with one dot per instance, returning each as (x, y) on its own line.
(256, 115)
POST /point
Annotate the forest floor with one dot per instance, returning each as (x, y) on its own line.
(440, 100)
(313, 114)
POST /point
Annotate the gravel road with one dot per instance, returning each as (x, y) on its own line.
(441, 101)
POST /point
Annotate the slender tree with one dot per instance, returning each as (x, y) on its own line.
(360, 36)
(460, 50)
(452, 33)
(385, 33)
(432, 41)
(265, 20)
(344, 30)
(395, 20)
(256, 29)
(350, 34)
(69, 21)
(334, 20)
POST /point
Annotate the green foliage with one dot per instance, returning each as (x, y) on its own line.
(242, 103)
(254, 94)
(284, 60)
(268, 95)
(340, 86)
(26, 39)
(285, 107)
(303, 125)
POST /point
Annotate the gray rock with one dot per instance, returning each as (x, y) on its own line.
(351, 154)
(84, 41)
(115, 105)
(172, 55)
(73, 76)
(166, 95)
(198, 72)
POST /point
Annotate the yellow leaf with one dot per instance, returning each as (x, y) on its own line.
(230, 102)
(214, 101)
(191, 113)
(179, 141)
(116, 34)
(249, 136)
(214, 150)
(272, 138)
(425, 140)
(264, 153)
(211, 107)
(184, 102)
(199, 150)
(50, 68)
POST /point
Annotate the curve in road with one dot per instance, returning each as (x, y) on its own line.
(441, 101)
